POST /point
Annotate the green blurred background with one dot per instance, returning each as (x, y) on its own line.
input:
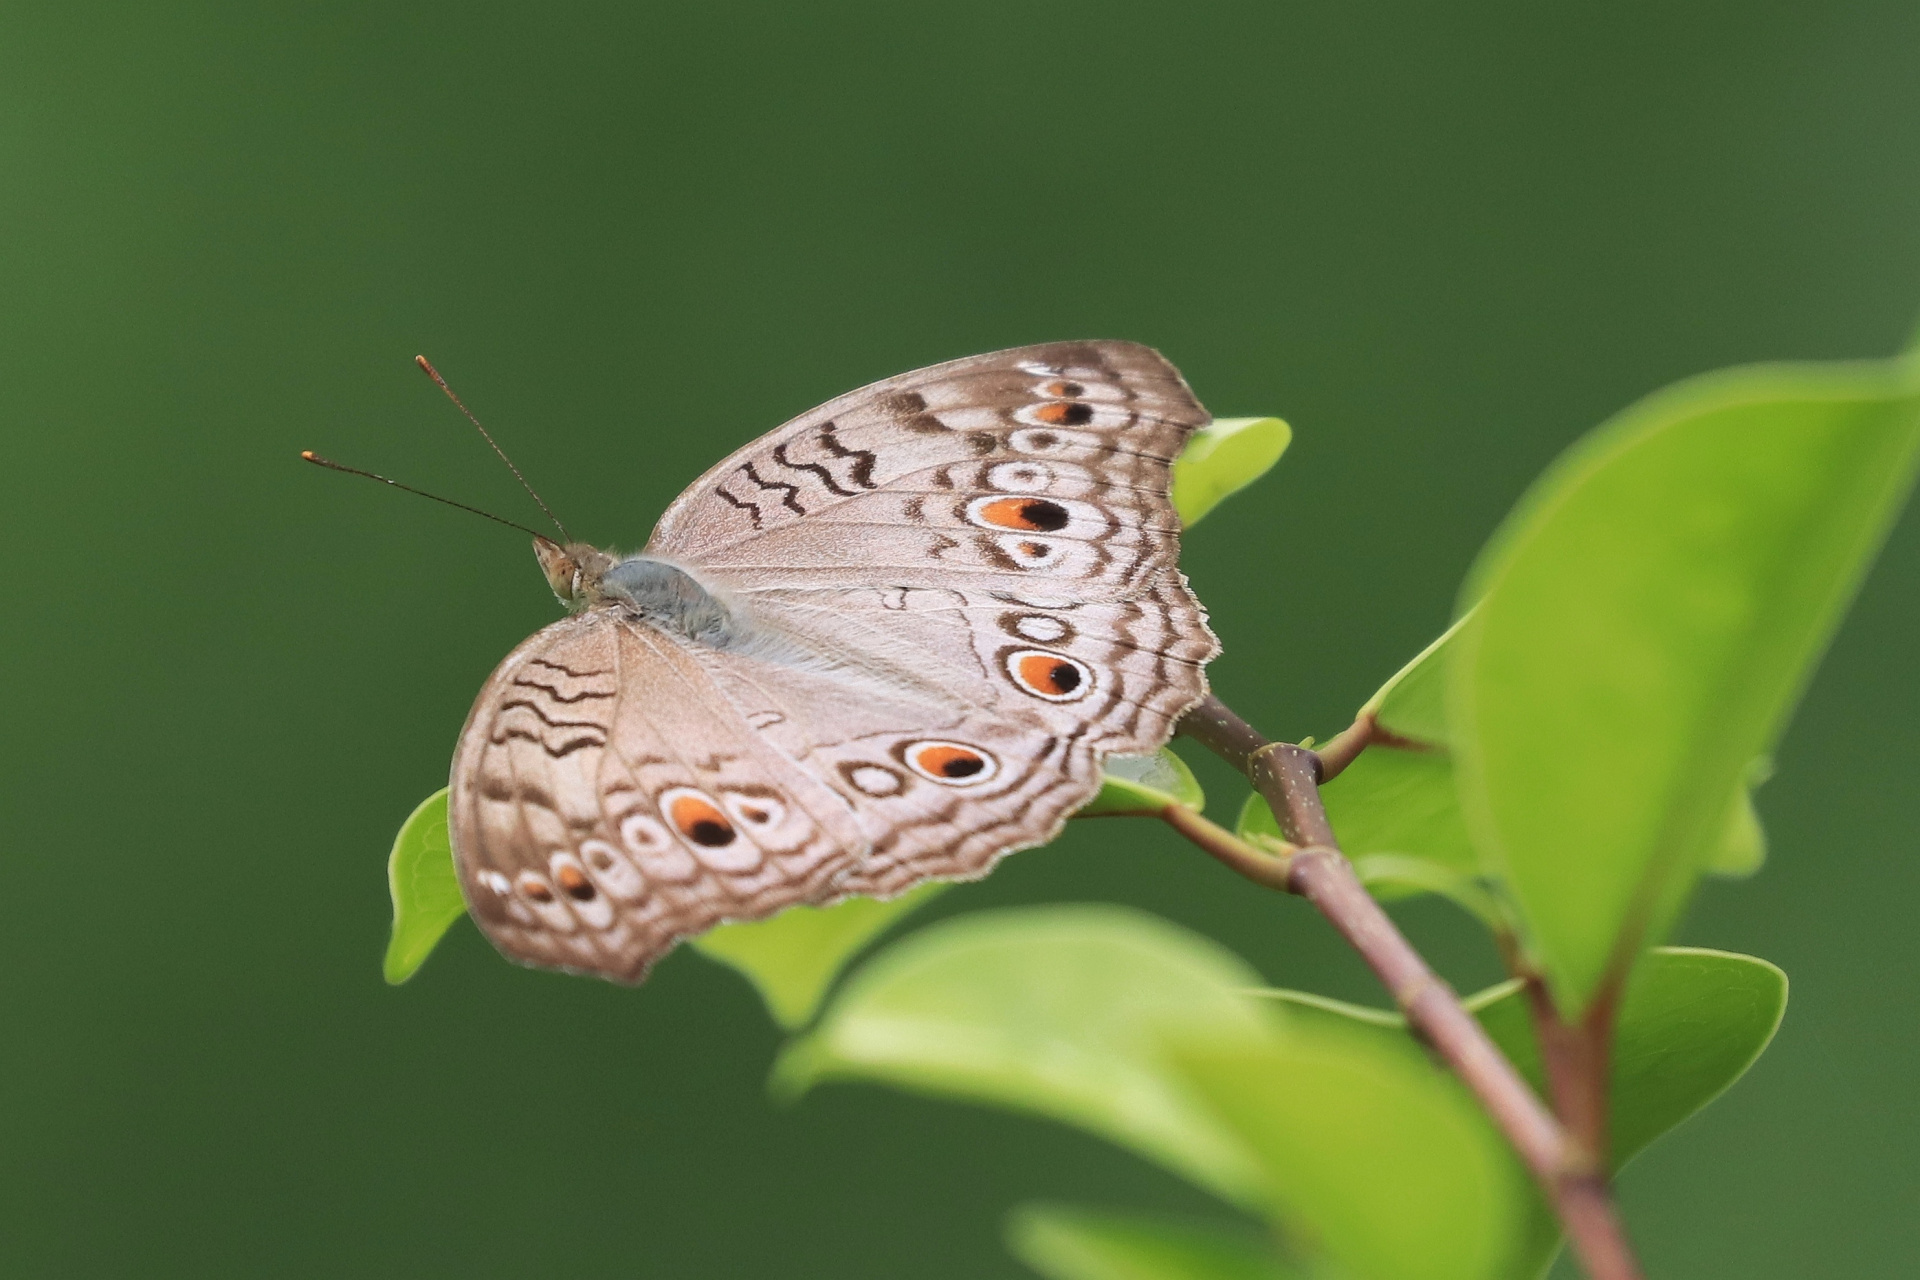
(1442, 240)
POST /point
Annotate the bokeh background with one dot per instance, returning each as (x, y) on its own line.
(1443, 240)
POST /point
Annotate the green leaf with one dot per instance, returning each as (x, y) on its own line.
(1691, 1022)
(1399, 821)
(1742, 847)
(1648, 616)
(1064, 1243)
(1143, 786)
(426, 893)
(1413, 703)
(1054, 1010)
(1394, 807)
(1394, 801)
(1373, 1157)
(1222, 459)
(792, 958)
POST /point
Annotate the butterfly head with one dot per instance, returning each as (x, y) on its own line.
(573, 571)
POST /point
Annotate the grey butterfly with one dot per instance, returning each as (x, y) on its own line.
(890, 641)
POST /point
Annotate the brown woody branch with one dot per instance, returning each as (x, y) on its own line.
(1288, 777)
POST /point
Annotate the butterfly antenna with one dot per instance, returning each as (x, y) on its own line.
(434, 373)
(309, 455)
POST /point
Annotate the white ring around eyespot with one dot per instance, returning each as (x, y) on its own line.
(612, 872)
(1020, 477)
(976, 513)
(1040, 628)
(654, 849)
(594, 909)
(1013, 545)
(739, 804)
(738, 854)
(1048, 440)
(873, 780)
(552, 913)
(986, 774)
(1074, 694)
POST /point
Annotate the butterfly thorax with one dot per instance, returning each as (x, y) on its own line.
(665, 595)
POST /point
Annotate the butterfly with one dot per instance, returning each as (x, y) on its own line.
(888, 642)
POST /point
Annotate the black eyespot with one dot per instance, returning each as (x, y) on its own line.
(962, 766)
(1077, 414)
(1066, 677)
(1044, 515)
(711, 834)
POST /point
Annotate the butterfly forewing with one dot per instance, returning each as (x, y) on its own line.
(995, 536)
(1041, 464)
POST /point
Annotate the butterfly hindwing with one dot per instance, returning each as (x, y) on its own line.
(608, 801)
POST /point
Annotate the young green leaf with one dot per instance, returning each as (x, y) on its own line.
(1394, 806)
(1691, 1022)
(1054, 1010)
(1143, 786)
(1742, 847)
(792, 958)
(426, 895)
(1647, 617)
(1412, 704)
(1064, 1243)
(1371, 1154)
(1223, 458)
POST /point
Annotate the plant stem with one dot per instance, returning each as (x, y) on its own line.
(1576, 1059)
(1255, 864)
(1568, 1172)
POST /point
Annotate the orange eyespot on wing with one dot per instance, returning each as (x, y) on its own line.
(953, 764)
(1064, 413)
(573, 882)
(698, 818)
(1023, 513)
(1052, 676)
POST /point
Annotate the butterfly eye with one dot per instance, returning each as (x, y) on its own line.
(1052, 676)
(952, 763)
